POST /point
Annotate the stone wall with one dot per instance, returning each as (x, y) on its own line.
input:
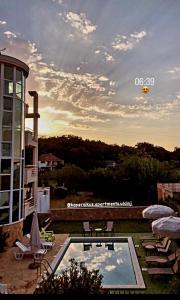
(83, 214)
(15, 231)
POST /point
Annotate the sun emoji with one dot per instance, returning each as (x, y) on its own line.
(145, 89)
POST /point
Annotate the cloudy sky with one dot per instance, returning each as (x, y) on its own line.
(84, 56)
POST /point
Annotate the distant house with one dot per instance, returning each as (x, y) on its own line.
(49, 161)
(167, 191)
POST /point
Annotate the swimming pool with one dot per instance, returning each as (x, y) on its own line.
(115, 257)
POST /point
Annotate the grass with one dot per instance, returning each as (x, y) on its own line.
(125, 226)
(158, 285)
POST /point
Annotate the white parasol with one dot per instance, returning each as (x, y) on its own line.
(157, 211)
(35, 236)
(167, 227)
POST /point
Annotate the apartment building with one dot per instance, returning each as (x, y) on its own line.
(18, 171)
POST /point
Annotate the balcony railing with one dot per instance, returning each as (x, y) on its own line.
(31, 174)
(29, 206)
(29, 139)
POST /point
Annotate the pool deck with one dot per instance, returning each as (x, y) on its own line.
(16, 274)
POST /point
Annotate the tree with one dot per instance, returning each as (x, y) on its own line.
(75, 280)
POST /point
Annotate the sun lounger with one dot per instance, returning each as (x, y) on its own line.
(165, 271)
(149, 238)
(162, 259)
(47, 235)
(26, 250)
(166, 249)
(157, 244)
(160, 250)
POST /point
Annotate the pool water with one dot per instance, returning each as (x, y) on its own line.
(112, 259)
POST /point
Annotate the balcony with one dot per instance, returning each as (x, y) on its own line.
(29, 140)
(29, 206)
(30, 174)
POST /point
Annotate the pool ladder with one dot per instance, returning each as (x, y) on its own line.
(48, 271)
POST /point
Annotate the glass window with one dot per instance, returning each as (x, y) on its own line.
(8, 103)
(15, 215)
(7, 118)
(22, 207)
(4, 216)
(8, 72)
(6, 149)
(18, 76)
(15, 197)
(5, 166)
(16, 175)
(18, 113)
(4, 198)
(8, 87)
(23, 88)
(18, 90)
(22, 173)
(4, 182)
(17, 143)
(7, 134)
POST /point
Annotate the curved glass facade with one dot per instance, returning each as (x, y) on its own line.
(12, 91)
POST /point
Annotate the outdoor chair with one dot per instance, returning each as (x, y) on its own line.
(161, 244)
(109, 227)
(87, 246)
(149, 238)
(47, 235)
(163, 259)
(24, 250)
(110, 246)
(166, 249)
(87, 228)
(160, 250)
(44, 243)
(165, 271)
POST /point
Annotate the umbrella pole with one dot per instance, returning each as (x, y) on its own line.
(175, 248)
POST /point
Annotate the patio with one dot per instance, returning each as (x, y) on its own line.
(22, 280)
(16, 274)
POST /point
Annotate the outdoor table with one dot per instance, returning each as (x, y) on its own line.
(149, 248)
(98, 230)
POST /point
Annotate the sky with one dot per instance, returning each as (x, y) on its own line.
(85, 57)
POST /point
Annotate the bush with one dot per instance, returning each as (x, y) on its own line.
(75, 280)
(175, 285)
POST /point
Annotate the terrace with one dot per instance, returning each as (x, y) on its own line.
(26, 279)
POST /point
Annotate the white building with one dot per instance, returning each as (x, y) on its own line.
(18, 180)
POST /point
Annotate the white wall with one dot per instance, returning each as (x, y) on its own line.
(43, 200)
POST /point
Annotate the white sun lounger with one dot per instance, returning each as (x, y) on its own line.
(26, 250)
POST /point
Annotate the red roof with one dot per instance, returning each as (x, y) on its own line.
(49, 157)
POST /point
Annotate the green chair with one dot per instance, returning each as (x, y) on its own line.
(47, 235)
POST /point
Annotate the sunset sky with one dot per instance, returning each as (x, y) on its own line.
(84, 56)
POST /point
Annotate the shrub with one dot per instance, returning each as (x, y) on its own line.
(75, 280)
(175, 285)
